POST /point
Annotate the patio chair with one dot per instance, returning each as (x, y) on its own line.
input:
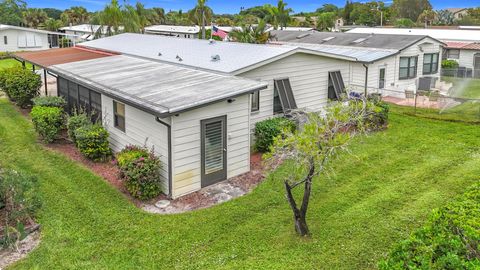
(424, 94)
(433, 97)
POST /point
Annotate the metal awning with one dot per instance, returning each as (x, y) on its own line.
(52, 57)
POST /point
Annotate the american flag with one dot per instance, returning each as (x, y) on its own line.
(219, 33)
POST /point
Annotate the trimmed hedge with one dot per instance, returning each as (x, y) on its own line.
(449, 64)
(75, 122)
(92, 141)
(140, 169)
(20, 85)
(449, 240)
(47, 121)
(49, 101)
(267, 130)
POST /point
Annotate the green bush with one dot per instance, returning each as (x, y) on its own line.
(140, 169)
(449, 64)
(92, 141)
(21, 85)
(74, 122)
(49, 101)
(18, 201)
(267, 130)
(379, 117)
(47, 121)
(449, 240)
(404, 23)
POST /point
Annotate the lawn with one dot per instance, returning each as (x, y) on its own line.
(8, 63)
(380, 192)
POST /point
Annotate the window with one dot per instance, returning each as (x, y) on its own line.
(255, 101)
(5, 40)
(430, 63)
(335, 85)
(408, 67)
(283, 94)
(381, 79)
(453, 54)
(119, 115)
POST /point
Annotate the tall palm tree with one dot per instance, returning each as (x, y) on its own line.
(200, 14)
(52, 24)
(143, 15)
(251, 34)
(131, 20)
(34, 17)
(111, 17)
(75, 15)
(283, 14)
(157, 16)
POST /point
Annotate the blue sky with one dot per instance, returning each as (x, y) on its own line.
(224, 6)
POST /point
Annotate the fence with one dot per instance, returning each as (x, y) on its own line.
(432, 104)
(461, 72)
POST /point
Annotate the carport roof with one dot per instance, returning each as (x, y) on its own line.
(52, 57)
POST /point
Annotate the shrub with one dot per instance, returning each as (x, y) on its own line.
(76, 121)
(21, 85)
(378, 118)
(49, 101)
(267, 130)
(92, 141)
(19, 201)
(449, 240)
(47, 121)
(140, 169)
(449, 64)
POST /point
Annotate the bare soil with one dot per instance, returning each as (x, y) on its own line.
(9, 256)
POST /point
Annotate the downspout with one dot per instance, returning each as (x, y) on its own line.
(366, 79)
(169, 135)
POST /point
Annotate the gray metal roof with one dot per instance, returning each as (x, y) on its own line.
(395, 42)
(365, 55)
(191, 52)
(159, 88)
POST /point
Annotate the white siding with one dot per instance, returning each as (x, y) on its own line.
(466, 58)
(187, 149)
(141, 128)
(18, 40)
(308, 76)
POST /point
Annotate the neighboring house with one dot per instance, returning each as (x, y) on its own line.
(85, 32)
(174, 30)
(15, 38)
(197, 101)
(461, 45)
(394, 63)
(458, 13)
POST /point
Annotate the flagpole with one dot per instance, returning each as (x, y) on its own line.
(211, 30)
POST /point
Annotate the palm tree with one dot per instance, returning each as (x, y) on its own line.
(200, 14)
(34, 17)
(143, 15)
(279, 15)
(112, 18)
(251, 34)
(157, 16)
(52, 24)
(131, 20)
(75, 15)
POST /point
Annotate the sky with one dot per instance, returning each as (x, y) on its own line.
(225, 6)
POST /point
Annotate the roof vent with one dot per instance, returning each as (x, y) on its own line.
(159, 54)
(215, 58)
(179, 58)
(303, 35)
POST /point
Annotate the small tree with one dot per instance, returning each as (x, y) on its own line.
(320, 137)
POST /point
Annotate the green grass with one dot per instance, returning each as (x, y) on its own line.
(465, 88)
(380, 193)
(8, 63)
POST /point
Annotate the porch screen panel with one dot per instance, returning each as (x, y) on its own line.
(72, 95)
(84, 96)
(285, 94)
(96, 106)
(213, 147)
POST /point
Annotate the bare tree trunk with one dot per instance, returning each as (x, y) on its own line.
(299, 215)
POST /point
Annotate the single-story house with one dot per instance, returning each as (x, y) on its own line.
(461, 45)
(174, 30)
(393, 64)
(197, 101)
(15, 38)
(458, 13)
(85, 32)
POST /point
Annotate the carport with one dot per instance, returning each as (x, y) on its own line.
(47, 58)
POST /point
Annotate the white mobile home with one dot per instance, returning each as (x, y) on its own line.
(196, 101)
(173, 31)
(15, 38)
(389, 63)
(461, 45)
